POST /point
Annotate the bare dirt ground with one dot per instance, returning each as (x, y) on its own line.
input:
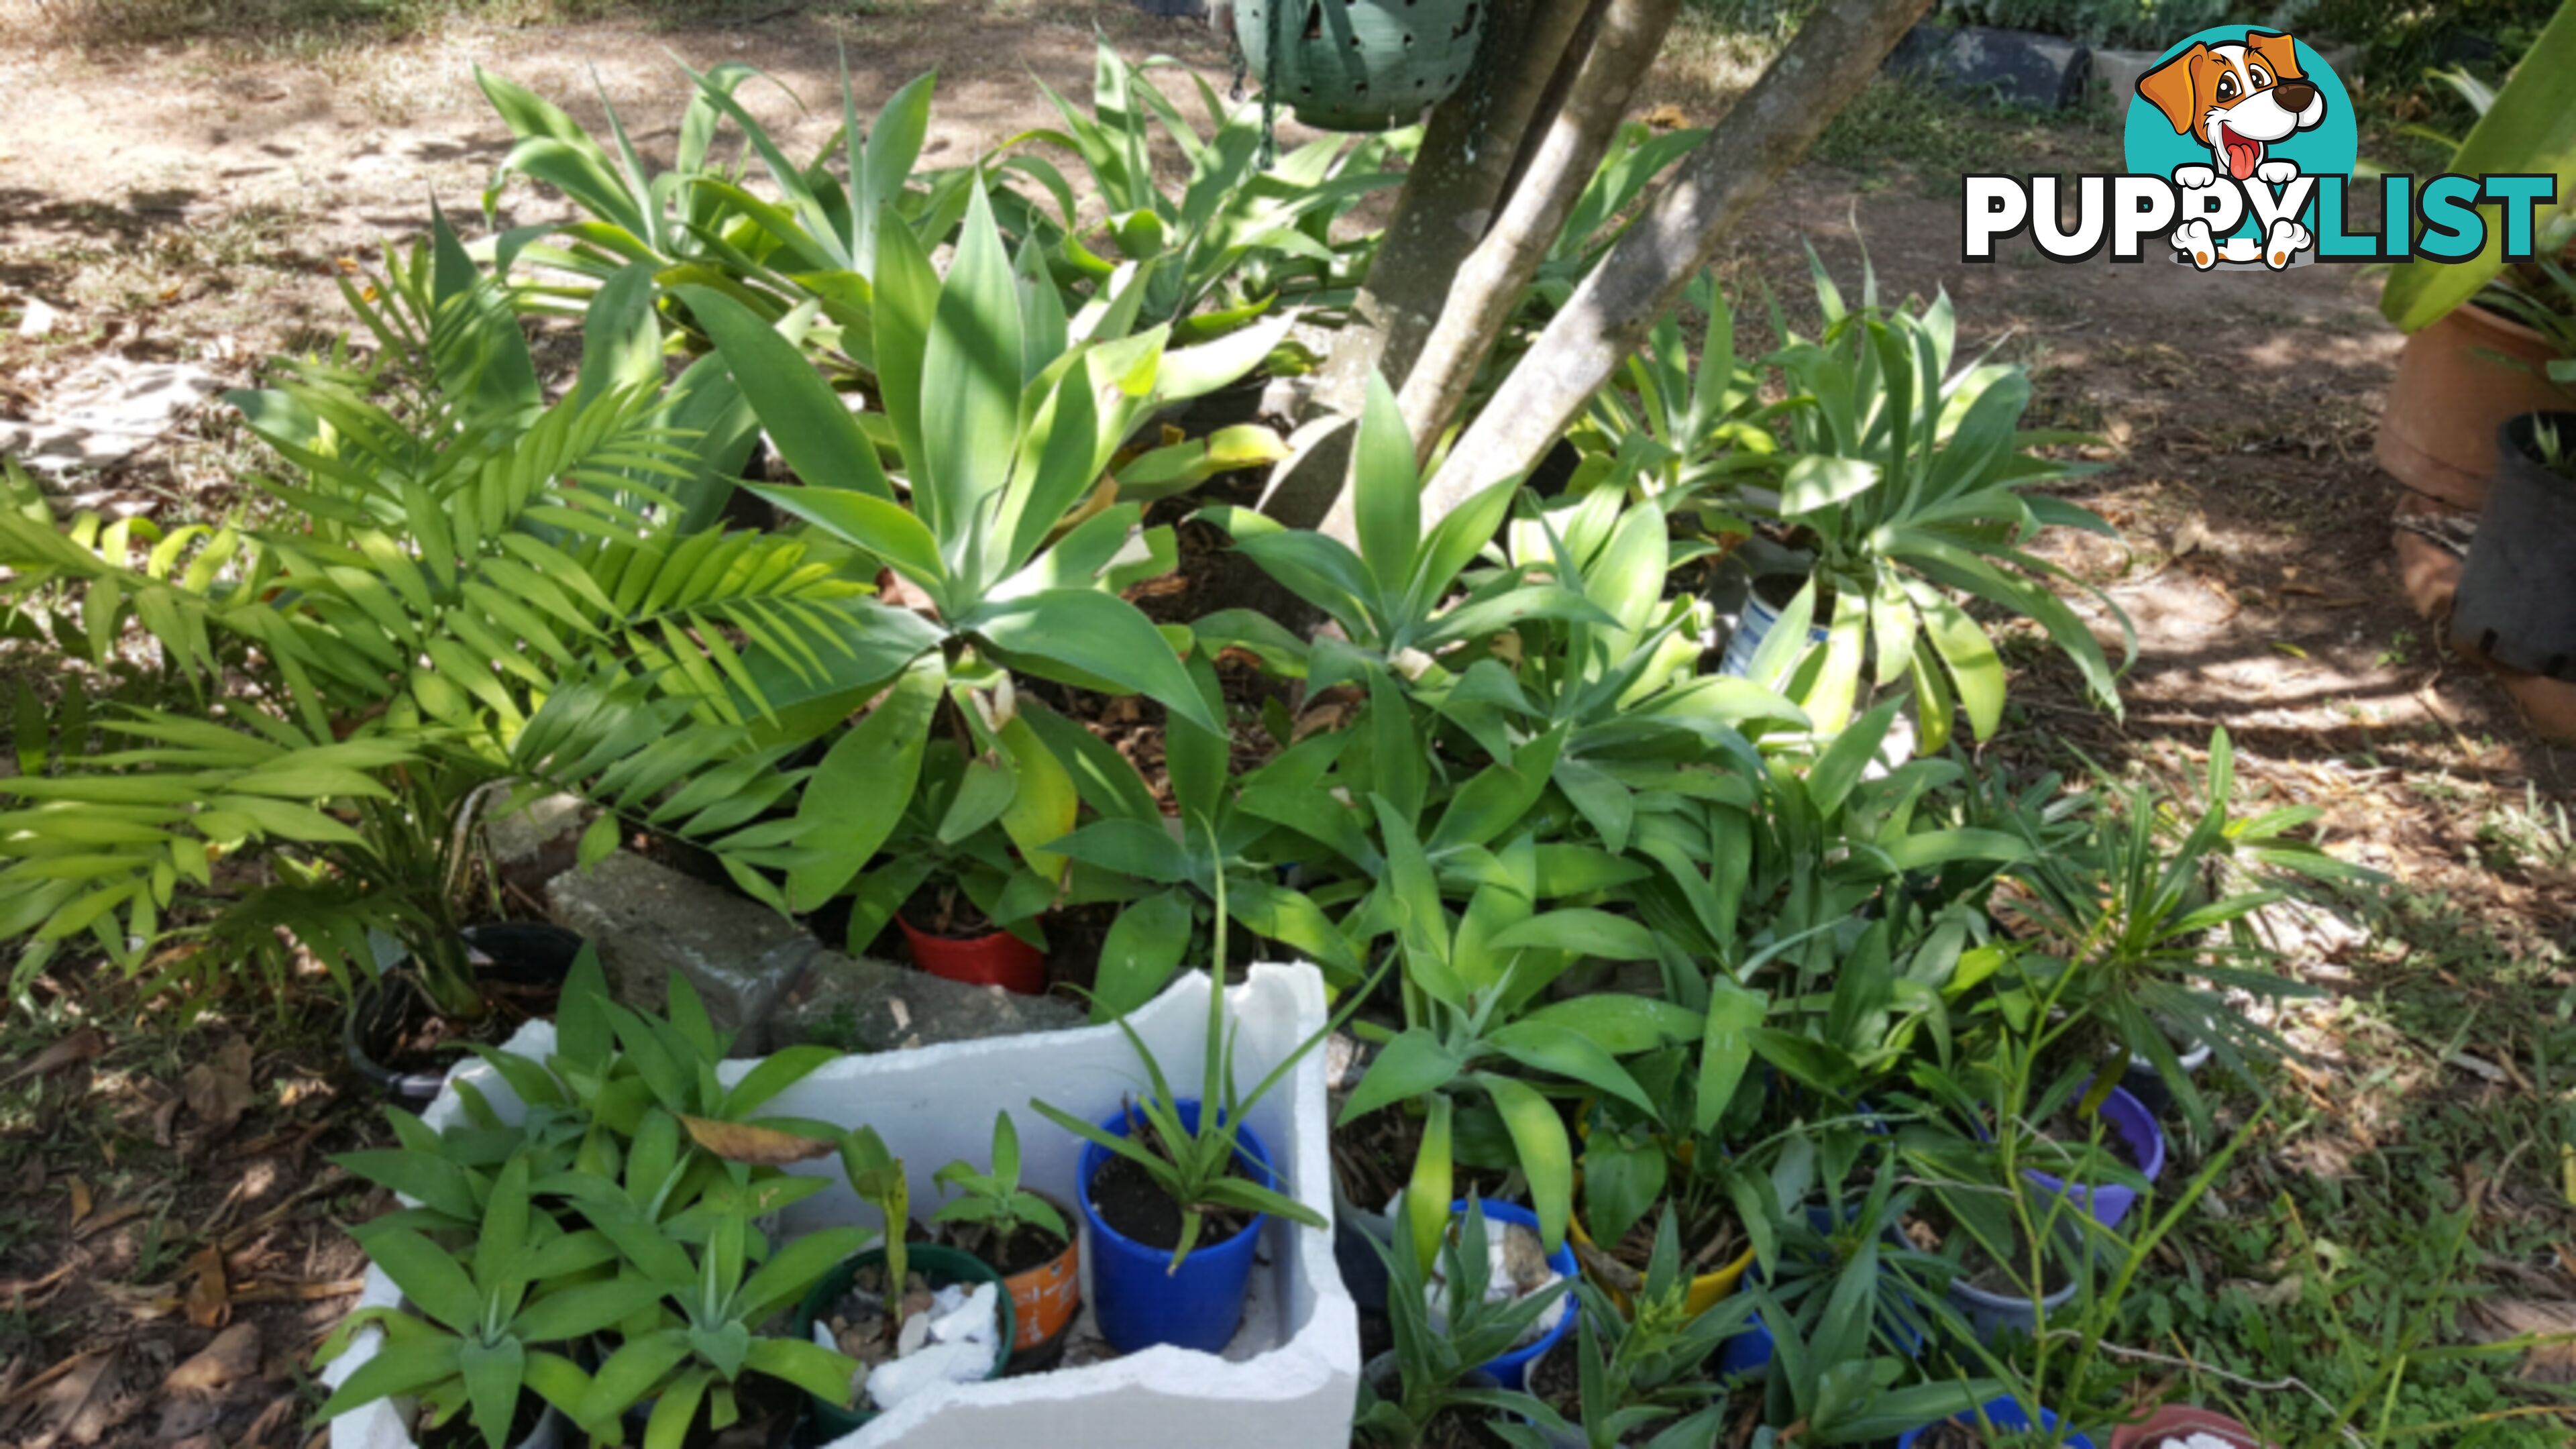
(195, 202)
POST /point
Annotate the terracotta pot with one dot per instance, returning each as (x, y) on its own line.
(2438, 433)
(2178, 1422)
(1000, 959)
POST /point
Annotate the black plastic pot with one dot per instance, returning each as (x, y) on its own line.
(2514, 604)
(514, 953)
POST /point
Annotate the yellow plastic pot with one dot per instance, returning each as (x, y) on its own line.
(1705, 1289)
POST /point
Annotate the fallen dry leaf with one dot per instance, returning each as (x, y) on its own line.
(753, 1143)
(2493, 1320)
(279, 1414)
(219, 1091)
(71, 1050)
(230, 1359)
(73, 1407)
(32, 1292)
(81, 1201)
(209, 1297)
(273, 1290)
(106, 1218)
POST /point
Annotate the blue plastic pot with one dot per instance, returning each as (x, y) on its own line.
(1748, 1350)
(1512, 1369)
(2004, 1414)
(2127, 1118)
(1138, 1299)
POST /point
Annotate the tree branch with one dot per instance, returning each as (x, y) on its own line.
(1832, 57)
(1442, 212)
(1489, 287)
(1578, 49)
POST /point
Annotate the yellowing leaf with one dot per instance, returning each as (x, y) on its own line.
(750, 1142)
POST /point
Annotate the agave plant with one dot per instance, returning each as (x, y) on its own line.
(1686, 429)
(1239, 831)
(482, 1331)
(999, 521)
(699, 225)
(1244, 232)
(1400, 600)
(1908, 483)
(664, 219)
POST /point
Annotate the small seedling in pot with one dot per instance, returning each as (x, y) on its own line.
(906, 1331)
(992, 1211)
(877, 1176)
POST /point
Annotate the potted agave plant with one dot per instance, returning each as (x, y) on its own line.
(965, 898)
(1022, 1236)
(1176, 1190)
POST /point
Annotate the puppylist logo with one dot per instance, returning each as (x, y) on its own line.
(2240, 149)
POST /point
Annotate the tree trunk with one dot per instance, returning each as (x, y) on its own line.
(1489, 287)
(1442, 212)
(1831, 58)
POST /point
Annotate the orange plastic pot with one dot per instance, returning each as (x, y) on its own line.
(1000, 959)
(2458, 381)
(1044, 1300)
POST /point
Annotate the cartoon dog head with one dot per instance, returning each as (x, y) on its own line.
(2236, 98)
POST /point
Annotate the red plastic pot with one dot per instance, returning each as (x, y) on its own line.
(2176, 1423)
(1000, 959)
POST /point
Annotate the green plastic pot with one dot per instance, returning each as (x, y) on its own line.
(1359, 65)
(940, 1267)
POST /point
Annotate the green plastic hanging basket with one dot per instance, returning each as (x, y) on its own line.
(1359, 65)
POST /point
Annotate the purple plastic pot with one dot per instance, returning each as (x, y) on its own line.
(2107, 1203)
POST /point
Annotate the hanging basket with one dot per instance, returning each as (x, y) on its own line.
(1359, 65)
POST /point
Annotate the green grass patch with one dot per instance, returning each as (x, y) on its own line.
(1898, 126)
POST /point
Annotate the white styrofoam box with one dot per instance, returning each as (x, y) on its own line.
(1286, 1382)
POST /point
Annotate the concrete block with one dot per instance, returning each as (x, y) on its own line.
(2019, 66)
(650, 922)
(2115, 74)
(1288, 1379)
(532, 845)
(860, 1004)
